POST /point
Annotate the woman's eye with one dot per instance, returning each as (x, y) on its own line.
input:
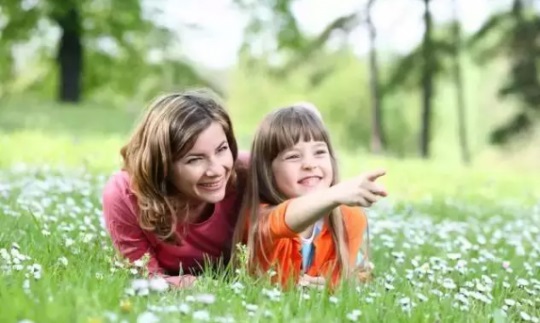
(193, 161)
(224, 148)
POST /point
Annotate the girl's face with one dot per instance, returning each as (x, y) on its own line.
(305, 167)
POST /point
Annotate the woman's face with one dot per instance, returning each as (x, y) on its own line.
(203, 173)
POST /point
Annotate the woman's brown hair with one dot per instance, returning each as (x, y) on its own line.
(168, 130)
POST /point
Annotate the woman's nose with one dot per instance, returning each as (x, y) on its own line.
(214, 169)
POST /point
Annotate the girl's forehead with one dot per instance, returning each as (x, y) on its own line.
(308, 143)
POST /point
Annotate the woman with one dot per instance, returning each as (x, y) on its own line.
(178, 195)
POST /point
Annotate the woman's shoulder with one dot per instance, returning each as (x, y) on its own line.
(242, 166)
(242, 160)
(118, 185)
(118, 201)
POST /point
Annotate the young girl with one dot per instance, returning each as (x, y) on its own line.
(301, 222)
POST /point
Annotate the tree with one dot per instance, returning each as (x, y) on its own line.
(81, 63)
(273, 24)
(514, 34)
(274, 21)
(427, 81)
(70, 52)
(419, 68)
(377, 133)
(458, 83)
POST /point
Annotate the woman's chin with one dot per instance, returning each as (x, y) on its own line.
(212, 196)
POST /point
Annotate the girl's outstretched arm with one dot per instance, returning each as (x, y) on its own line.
(305, 210)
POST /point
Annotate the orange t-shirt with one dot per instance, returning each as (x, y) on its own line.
(283, 246)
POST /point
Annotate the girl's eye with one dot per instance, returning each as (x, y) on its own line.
(290, 157)
(321, 152)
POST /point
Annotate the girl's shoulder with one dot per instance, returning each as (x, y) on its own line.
(353, 215)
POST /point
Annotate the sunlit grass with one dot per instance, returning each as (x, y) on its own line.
(451, 243)
(448, 260)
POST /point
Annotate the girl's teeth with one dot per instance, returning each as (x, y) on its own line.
(309, 181)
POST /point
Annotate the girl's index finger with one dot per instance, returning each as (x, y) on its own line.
(373, 175)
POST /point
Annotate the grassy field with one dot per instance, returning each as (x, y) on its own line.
(450, 244)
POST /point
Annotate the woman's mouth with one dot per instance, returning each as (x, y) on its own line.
(211, 186)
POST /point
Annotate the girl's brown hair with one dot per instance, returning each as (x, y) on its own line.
(279, 131)
(168, 130)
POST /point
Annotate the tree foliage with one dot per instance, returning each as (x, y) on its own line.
(117, 37)
(514, 35)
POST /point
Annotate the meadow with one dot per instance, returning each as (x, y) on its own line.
(449, 244)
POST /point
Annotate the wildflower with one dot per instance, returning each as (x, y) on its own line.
(139, 284)
(421, 297)
(353, 316)
(63, 261)
(522, 282)
(237, 287)
(509, 302)
(273, 294)
(205, 299)
(448, 283)
(126, 306)
(525, 316)
(147, 317)
(201, 315)
(158, 284)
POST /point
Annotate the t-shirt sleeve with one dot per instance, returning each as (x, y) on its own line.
(122, 225)
(277, 227)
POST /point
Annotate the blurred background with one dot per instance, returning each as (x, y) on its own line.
(451, 85)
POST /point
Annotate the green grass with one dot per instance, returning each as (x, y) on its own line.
(442, 225)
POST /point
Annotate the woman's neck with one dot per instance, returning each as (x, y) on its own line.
(200, 211)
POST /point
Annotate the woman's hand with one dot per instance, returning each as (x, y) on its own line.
(184, 281)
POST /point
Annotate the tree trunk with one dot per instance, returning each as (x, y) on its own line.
(427, 83)
(458, 82)
(377, 133)
(70, 56)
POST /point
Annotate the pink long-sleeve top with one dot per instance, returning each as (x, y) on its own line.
(202, 243)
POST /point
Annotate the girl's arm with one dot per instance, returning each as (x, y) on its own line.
(303, 211)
